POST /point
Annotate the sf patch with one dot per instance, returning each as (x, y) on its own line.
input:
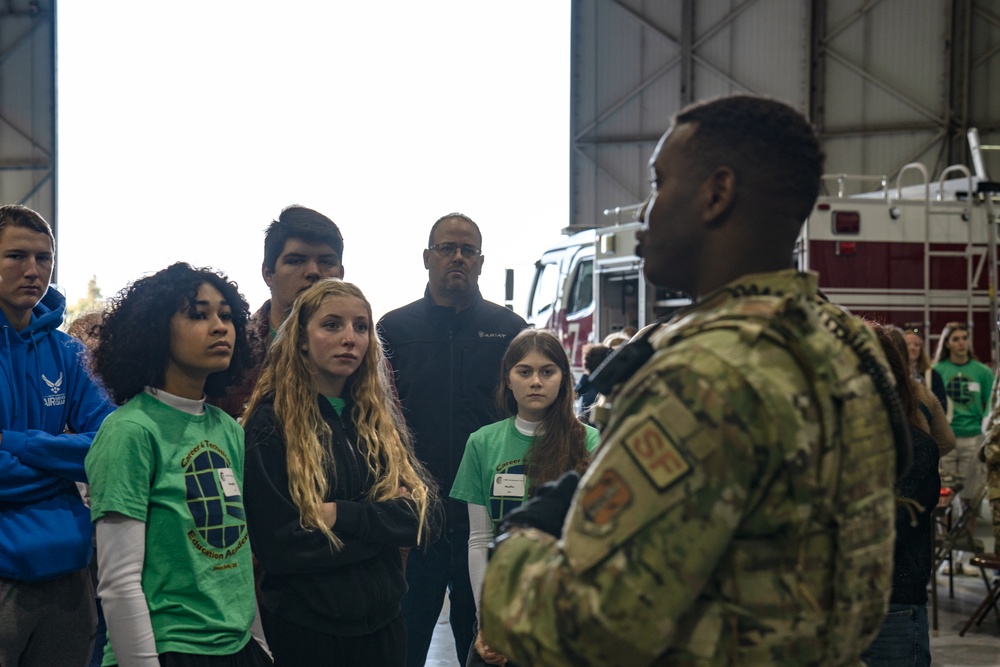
(663, 463)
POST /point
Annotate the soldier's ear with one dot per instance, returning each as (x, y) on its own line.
(719, 193)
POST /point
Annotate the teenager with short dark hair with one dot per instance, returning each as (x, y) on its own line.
(301, 247)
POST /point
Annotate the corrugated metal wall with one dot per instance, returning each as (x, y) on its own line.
(28, 106)
(885, 81)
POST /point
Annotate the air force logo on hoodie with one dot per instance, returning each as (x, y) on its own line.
(54, 397)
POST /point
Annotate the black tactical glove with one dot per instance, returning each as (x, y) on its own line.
(547, 510)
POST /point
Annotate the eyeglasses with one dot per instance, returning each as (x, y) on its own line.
(448, 250)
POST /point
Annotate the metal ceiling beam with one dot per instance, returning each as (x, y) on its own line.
(622, 140)
(23, 39)
(983, 13)
(35, 188)
(730, 80)
(723, 23)
(687, 51)
(644, 20)
(627, 97)
(670, 64)
(24, 135)
(959, 46)
(876, 81)
(817, 64)
(16, 165)
(938, 136)
(850, 19)
(27, 66)
(868, 130)
(611, 177)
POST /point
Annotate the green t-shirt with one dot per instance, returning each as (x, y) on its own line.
(181, 474)
(492, 472)
(968, 386)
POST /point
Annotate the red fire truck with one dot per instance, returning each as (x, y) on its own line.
(917, 255)
(591, 285)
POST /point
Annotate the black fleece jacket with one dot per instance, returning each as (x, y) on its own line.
(351, 592)
(447, 367)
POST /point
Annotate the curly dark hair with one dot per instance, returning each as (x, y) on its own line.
(770, 146)
(134, 345)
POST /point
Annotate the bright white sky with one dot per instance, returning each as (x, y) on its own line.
(185, 127)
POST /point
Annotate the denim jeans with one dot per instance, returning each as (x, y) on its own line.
(431, 571)
(903, 639)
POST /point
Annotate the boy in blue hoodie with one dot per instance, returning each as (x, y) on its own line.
(47, 614)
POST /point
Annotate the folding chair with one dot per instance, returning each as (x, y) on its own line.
(957, 536)
(985, 562)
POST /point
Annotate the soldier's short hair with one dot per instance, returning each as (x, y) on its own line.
(770, 146)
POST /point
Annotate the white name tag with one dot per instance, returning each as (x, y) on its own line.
(508, 486)
(973, 386)
(227, 482)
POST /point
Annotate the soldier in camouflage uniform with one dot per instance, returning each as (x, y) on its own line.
(740, 509)
(990, 454)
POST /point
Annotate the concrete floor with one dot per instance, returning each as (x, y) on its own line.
(442, 651)
(980, 647)
(981, 644)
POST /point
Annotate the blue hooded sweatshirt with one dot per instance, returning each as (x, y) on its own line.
(45, 390)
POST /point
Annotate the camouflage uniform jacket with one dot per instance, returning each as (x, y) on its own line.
(739, 510)
(990, 454)
(991, 445)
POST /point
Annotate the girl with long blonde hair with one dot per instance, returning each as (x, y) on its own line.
(332, 486)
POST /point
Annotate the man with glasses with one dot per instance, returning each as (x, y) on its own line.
(446, 349)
